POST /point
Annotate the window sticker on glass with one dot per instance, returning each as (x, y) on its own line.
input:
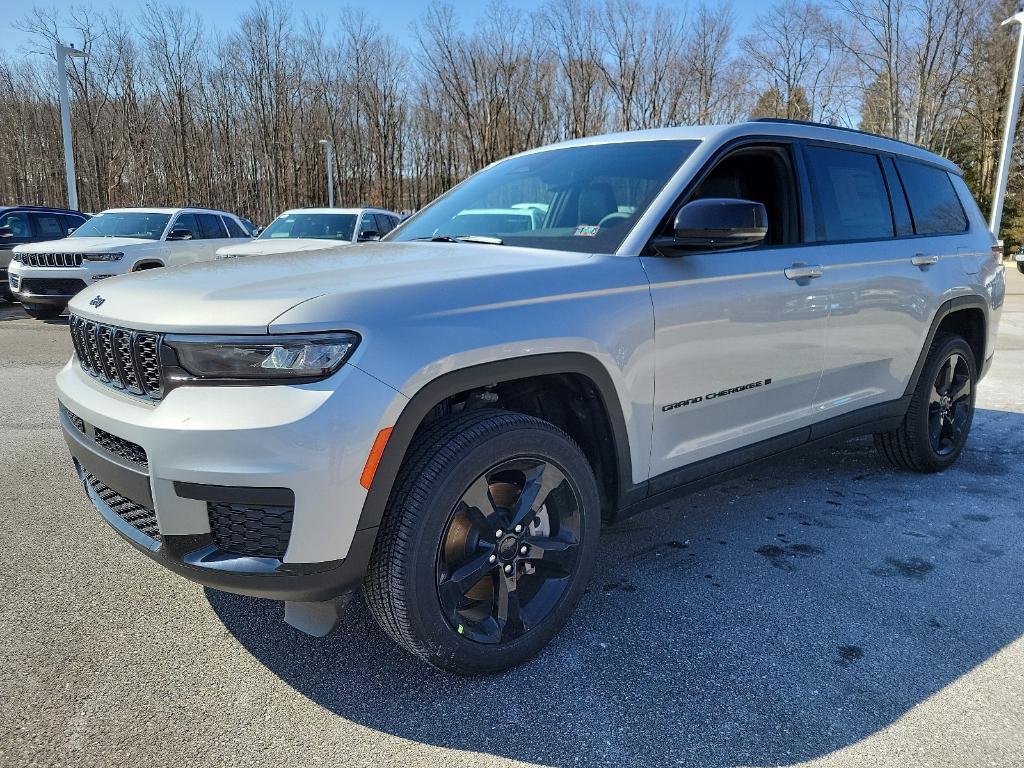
(585, 230)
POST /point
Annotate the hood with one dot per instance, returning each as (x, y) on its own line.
(82, 245)
(359, 284)
(280, 245)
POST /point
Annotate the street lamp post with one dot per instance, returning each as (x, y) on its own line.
(329, 146)
(65, 52)
(1012, 113)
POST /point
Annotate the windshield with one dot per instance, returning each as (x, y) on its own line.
(582, 199)
(319, 226)
(145, 226)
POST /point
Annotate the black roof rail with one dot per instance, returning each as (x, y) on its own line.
(50, 208)
(813, 124)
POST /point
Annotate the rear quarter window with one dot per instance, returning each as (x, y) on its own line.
(851, 199)
(934, 204)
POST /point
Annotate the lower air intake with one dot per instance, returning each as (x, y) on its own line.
(249, 529)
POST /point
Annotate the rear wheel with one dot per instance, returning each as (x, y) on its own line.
(1020, 266)
(43, 311)
(941, 411)
(487, 542)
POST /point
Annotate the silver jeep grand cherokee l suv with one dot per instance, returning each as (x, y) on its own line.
(449, 416)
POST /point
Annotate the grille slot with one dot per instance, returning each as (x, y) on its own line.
(64, 260)
(249, 529)
(124, 359)
(76, 420)
(48, 286)
(126, 449)
(139, 517)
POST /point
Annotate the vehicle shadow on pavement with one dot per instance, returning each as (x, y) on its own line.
(771, 619)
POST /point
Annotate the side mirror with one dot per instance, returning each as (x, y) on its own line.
(257, 231)
(180, 234)
(368, 234)
(715, 224)
(6, 232)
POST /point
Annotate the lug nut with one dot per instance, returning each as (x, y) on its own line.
(508, 569)
(499, 533)
(519, 529)
(492, 559)
(524, 550)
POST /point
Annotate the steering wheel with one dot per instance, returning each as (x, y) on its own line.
(615, 216)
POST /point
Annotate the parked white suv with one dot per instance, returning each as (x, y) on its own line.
(448, 418)
(44, 276)
(316, 229)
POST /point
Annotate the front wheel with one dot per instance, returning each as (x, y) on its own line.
(43, 311)
(487, 542)
(935, 429)
(1020, 267)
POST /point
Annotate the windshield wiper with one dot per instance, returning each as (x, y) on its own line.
(462, 239)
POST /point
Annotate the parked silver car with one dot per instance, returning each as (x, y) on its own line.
(449, 416)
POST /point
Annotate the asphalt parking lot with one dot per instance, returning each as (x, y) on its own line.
(824, 610)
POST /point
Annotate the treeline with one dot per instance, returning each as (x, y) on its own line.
(168, 111)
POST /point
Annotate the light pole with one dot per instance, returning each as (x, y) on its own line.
(1012, 113)
(329, 146)
(65, 52)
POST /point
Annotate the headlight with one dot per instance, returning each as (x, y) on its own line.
(312, 356)
(102, 256)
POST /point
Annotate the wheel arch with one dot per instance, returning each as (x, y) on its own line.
(559, 366)
(966, 316)
(147, 264)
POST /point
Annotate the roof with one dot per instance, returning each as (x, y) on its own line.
(719, 134)
(170, 211)
(43, 208)
(336, 210)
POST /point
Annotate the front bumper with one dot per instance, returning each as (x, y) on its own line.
(209, 445)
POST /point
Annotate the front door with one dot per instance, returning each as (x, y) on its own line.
(739, 344)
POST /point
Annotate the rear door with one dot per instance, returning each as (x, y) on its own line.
(739, 343)
(885, 279)
(48, 226)
(215, 235)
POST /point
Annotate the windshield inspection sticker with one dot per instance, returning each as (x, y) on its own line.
(587, 230)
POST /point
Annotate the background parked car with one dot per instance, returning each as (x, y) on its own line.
(21, 224)
(44, 276)
(315, 229)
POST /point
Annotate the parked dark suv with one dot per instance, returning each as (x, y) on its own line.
(31, 224)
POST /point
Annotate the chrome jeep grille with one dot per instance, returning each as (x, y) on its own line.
(121, 358)
(51, 259)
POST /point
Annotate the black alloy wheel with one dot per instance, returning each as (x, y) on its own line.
(950, 405)
(487, 541)
(509, 551)
(938, 419)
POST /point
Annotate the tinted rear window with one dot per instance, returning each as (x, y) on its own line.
(851, 200)
(933, 202)
(213, 228)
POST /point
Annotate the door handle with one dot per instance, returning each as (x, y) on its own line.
(920, 260)
(803, 271)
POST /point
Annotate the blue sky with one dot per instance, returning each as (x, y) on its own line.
(393, 15)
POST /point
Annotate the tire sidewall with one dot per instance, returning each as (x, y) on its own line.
(446, 647)
(935, 362)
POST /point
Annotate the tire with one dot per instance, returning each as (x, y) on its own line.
(413, 585)
(938, 421)
(1020, 267)
(44, 311)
